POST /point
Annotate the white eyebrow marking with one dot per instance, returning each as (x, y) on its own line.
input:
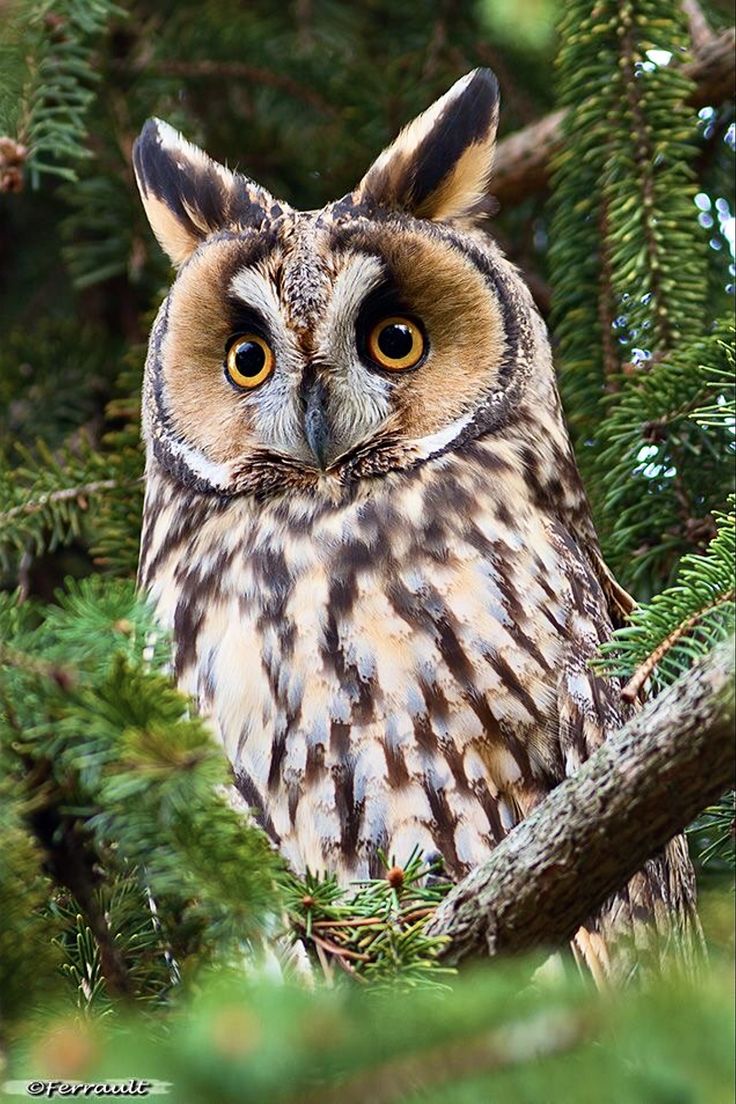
(258, 292)
(356, 280)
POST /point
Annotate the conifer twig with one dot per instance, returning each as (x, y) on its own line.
(701, 33)
(336, 950)
(73, 869)
(631, 690)
(71, 859)
(64, 677)
(640, 138)
(606, 310)
(64, 494)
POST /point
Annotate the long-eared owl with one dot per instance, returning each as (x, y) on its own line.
(363, 522)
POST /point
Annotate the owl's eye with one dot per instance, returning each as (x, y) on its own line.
(250, 361)
(396, 343)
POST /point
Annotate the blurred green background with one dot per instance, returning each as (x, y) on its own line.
(301, 96)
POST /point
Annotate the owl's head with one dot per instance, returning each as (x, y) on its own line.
(298, 347)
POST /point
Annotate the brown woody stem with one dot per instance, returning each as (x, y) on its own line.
(633, 686)
(65, 494)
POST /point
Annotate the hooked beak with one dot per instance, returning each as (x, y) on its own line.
(316, 425)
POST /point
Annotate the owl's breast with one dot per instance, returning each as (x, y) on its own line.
(381, 673)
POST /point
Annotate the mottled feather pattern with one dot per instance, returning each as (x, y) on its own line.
(393, 657)
(390, 629)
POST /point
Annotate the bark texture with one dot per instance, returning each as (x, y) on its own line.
(595, 830)
(522, 163)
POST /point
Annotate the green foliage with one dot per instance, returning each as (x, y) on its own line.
(34, 402)
(28, 957)
(712, 836)
(666, 458)
(717, 138)
(646, 372)
(494, 1036)
(132, 920)
(99, 230)
(685, 620)
(46, 105)
(664, 637)
(627, 258)
(135, 901)
(125, 790)
(644, 365)
(376, 930)
(81, 481)
(50, 499)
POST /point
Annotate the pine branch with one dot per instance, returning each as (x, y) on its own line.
(701, 34)
(11, 657)
(714, 835)
(636, 683)
(56, 42)
(70, 859)
(67, 855)
(523, 160)
(54, 498)
(628, 260)
(78, 494)
(596, 829)
(374, 930)
(682, 622)
(662, 466)
(121, 782)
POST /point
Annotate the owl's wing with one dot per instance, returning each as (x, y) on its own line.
(655, 913)
(588, 704)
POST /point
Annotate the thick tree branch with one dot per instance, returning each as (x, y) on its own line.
(522, 162)
(595, 830)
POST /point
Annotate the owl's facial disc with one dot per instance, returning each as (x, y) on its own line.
(360, 339)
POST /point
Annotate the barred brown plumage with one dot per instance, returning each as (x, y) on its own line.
(384, 586)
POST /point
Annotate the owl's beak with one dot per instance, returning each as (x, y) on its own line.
(316, 424)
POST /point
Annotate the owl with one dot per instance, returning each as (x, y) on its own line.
(363, 522)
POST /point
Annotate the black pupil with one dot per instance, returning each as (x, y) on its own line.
(396, 341)
(249, 358)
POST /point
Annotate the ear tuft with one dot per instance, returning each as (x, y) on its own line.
(187, 195)
(439, 167)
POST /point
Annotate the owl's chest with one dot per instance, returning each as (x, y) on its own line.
(390, 640)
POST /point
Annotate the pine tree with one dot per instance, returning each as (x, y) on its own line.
(138, 909)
